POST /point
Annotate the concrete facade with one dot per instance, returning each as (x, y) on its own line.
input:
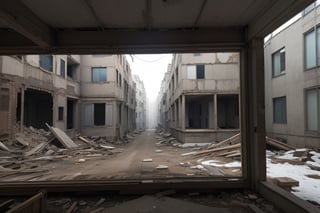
(141, 111)
(199, 97)
(87, 94)
(293, 82)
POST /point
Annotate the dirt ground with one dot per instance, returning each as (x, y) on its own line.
(127, 161)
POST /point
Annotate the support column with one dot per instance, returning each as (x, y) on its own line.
(22, 109)
(183, 113)
(253, 113)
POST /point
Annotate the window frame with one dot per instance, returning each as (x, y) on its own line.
(317, 52)
(99, 69)
(273, 110)
(282, 72)
(64, 68)
(307, 131)
(60, 113)
(51, 63)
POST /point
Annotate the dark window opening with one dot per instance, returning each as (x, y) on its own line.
(200, 71)
(70, 113)
(228, 111)
(99, 114)
(38, 107)
(4, 99)
(199, 112)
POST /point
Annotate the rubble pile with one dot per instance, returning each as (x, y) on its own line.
(30, 148)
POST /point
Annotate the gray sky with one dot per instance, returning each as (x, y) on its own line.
(151, 69)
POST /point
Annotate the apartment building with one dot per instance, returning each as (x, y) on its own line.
(199, 97)
(90, 94)
(292, 80)
(140, 103)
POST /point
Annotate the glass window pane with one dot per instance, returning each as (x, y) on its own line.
(46, 62)
(282, 60)
(310, 50)
(318, 46)
(62, 68)
(109, 114)
(191, 72)
(87, 115)
(280, 110)
(200, 71)
(312, 110)
(276, 69)
(103, 75)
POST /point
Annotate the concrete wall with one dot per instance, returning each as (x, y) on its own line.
(292, 84)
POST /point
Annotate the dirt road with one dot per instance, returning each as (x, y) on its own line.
(127, 164)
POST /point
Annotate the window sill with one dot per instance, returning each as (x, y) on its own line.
(277, 76)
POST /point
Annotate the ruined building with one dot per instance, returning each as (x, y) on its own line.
(140, 103)
(199, 97)
(90, 94)
(292, 86)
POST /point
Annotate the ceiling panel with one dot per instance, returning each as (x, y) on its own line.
(62, 13)
(174, 13)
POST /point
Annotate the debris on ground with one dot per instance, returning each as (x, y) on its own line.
(22, 157)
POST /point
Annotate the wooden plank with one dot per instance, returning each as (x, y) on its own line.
(279, 144)
(231, 140)
(4, 147)
(62, 137)
(4, 206)
(219, 149)
(34, 204)
(87, 141)
(72, 207)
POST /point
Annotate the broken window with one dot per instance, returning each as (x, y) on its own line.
(228, 111)
(312, 109)
(60, 113)
(279, 110)
(99, 74)
(62, 68)
(46, 62)
(4, 99)
(195, 71)
(99, 114)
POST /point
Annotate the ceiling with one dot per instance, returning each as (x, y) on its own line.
(82, 26)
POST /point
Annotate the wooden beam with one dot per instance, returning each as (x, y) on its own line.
(19, 18)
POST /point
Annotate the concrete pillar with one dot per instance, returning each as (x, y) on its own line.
(183, 113)
(253, 113)
(22, 109)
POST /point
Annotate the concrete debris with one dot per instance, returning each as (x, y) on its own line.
(100, 202)
(162, 167)
(158, 150)
(62, 137)
(147, 160)
(29, 150)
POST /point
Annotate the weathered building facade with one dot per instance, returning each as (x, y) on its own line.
(140, 103)
(292, 81)
(199, 97)
(90, 94)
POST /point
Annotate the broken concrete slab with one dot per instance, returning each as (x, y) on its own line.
(37, 149)
(62, 137)
(21, 141)
(162, 167)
